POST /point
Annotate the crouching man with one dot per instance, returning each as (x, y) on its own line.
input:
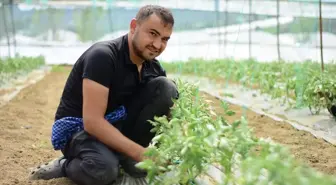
(114, 88)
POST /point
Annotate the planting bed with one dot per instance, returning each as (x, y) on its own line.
(321, 125)
(25, 127)
(18, 73)
(298, 84)
(297, 92)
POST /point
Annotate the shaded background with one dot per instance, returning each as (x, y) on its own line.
(239, 29)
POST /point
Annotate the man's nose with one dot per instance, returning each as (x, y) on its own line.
(157, 43)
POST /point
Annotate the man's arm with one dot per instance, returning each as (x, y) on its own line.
(95, 97)
(99, 65)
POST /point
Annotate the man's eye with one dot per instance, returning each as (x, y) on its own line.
(153, 34)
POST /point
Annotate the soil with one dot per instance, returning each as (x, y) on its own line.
(6, 91)
(25, 128)
(310, 150)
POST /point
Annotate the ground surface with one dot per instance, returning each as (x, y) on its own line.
(305, 147)
(25, 127)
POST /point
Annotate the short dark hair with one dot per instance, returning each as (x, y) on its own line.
(164, 13)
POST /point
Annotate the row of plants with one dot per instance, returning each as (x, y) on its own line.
(18, 65)
(195, 138)
(301, 84)
(304, 26)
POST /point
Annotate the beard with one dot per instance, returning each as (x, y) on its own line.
(137, 50)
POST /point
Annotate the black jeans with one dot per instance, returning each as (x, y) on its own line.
(90, 162)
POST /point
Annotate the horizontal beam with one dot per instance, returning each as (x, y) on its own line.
(287, 9)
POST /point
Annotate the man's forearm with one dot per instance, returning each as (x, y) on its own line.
(112, 137)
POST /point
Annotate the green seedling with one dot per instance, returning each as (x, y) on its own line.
(292, 80)
(192, 140)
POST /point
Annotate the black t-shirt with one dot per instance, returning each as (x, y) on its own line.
(107, 63)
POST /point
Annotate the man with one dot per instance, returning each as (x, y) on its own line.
(114, 88)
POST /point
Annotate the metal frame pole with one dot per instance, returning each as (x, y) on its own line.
(250, 31)
(278, 30)
(321, 37)
(6, 29)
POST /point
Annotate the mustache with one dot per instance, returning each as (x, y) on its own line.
(153, 48)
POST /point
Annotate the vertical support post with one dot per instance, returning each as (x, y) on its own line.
(6, 28)
(250, 27)
(13, 24)
(278, 30)
(93, 16)
(321, 37)
(226, 23)
(218, 26)
(109, 11)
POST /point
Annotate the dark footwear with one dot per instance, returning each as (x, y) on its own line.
(50, 170)
(128, 165)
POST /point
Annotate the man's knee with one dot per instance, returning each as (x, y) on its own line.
(93, 170)
(166, 90)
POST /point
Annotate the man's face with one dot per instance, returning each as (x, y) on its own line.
(150, 38)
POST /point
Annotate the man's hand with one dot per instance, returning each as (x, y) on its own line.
(95, 98)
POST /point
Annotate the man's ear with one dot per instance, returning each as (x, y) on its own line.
(133, 25)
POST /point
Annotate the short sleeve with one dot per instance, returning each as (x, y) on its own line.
(99, 65)
(163, 72)
(158, 66)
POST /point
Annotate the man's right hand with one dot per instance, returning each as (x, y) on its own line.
(140, 155)
(95, 98)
